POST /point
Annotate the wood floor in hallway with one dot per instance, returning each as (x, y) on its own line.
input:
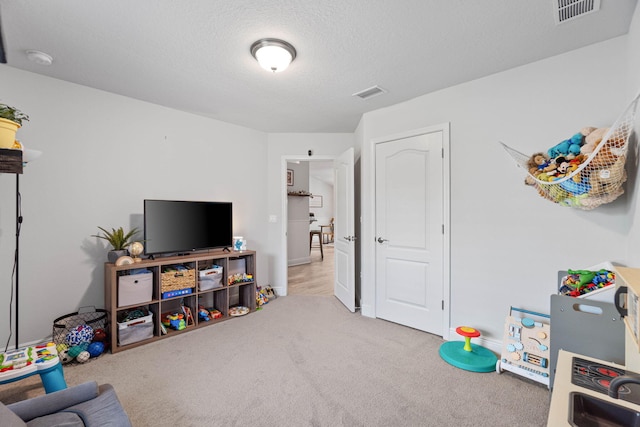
(315, 278)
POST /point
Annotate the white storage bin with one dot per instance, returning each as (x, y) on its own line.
(135, 289)
(135, 330)
(210, 278)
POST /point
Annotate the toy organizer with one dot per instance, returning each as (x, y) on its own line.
(525, 347)
(64, 326)
(595, 181)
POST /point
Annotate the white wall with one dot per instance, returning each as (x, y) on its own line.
(103, 154)
(507, 243)
(326, 212)
(298, 215)
(292, 146)
(633, 47)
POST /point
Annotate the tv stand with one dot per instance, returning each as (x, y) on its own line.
(164, 290)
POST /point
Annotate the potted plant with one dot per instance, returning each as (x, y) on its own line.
(118, 240)
(10, 120)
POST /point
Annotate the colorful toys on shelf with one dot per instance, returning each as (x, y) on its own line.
(174, 321)
(466, 355)
(240, 278)
(582, 282)
(203, 313)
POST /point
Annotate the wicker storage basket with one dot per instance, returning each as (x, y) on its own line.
(176, 280)
(599, 178)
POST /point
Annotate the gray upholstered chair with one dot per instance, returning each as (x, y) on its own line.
(86, 404)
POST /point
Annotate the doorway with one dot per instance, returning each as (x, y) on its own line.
(310, 271)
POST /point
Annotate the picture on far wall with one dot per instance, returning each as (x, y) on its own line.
(289, 177)
(315, 201)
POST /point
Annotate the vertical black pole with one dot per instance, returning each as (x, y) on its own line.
(18, 221)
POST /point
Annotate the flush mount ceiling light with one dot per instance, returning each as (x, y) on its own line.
(38, 57)
(273, 54)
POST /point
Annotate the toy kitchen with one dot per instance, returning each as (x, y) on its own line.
(597, 365)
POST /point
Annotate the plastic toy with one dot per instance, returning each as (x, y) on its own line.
(26, 361)
(75, 350)
(95, 349)
(468, 356)
(261, 297)
(83, 356)
(214, 314)
(99, 335)
(64, 356)
(175, 321)
(203, 314)
(79, 335)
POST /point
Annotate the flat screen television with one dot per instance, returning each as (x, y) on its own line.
(174, 226)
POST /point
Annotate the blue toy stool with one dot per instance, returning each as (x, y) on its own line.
(468, 356)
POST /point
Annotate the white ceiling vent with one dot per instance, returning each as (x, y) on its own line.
(370, 93)
(567, 10)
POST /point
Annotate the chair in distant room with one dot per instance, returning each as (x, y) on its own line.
(327, 231)
(319, 234)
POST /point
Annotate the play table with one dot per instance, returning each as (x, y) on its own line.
(23, 362)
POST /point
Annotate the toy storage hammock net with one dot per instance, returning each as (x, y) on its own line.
(583, 181)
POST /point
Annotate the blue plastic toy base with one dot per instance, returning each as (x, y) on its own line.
(479, 359)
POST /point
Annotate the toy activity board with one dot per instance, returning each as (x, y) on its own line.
(525, 347)
(26, 361)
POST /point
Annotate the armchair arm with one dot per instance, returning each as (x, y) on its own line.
(54, 402)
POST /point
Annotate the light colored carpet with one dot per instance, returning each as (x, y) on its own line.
(304, 361)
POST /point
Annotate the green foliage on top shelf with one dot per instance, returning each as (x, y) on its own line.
(13, 114)
(117, 238)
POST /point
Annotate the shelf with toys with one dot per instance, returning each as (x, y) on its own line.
(155, 299)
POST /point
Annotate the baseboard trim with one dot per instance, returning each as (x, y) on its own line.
(299, 261)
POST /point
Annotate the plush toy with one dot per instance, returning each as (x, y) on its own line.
(537, 163)
(567, 147)
(608, 180)
(592, 139)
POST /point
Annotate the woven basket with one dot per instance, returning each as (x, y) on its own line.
(598, 179)
(176, 280)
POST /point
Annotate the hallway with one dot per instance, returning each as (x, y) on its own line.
(315, 278)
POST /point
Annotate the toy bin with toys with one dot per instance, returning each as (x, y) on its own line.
(210, 278)
(134, 325)
(597, 282)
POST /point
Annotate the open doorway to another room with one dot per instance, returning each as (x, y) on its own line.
(310, 212)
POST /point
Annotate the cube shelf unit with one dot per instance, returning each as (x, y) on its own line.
(221, 298)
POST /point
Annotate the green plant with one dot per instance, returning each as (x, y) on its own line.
(13, 114)
(117, 238)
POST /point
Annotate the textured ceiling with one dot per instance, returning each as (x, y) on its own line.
(194, 55)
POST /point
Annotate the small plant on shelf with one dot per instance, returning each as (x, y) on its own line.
(13, 114)
(117, 237)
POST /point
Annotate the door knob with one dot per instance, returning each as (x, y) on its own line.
(381, 240)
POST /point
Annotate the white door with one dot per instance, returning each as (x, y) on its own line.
(344, 235)
(410, 231)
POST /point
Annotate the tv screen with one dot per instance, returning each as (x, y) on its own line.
(173, 226)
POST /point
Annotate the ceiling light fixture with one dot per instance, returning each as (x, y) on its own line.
(273, 54)
(38, 57)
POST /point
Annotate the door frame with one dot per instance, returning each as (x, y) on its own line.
(446, 216)
(284, 265)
